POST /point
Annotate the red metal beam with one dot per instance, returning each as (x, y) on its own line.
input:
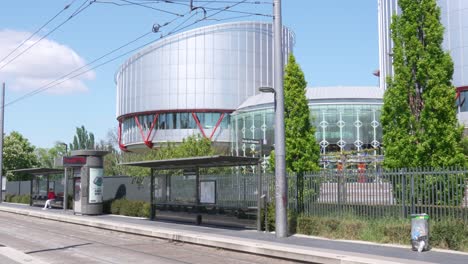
(198, 124)
(217, 125)
(149, 142)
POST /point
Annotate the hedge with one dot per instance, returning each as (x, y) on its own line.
(129, 208)
(23, 199)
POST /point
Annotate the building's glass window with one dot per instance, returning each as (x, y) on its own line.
(462, 104)
(131, 132)
(184, 120)
(162, 121)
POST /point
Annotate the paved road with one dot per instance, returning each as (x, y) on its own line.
(55, 242)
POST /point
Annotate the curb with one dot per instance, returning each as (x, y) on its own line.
(272, 249)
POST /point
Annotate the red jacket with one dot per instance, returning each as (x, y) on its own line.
(51, 195)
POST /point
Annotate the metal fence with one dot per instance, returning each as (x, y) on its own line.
(386, 193)
(371, 194)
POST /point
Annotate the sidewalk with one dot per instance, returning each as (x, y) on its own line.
(299, 248)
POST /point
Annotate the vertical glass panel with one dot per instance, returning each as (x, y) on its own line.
(201, 118)
(170, 121)
(184, 120)
(192, 124)
(162, 121)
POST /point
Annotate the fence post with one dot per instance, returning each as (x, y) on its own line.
(403, 193)
(412, 192)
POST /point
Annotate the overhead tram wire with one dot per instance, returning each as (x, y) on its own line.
(90, 69)
(206, 8)
(37, 31)
(210, 1)
(150, 7)
(61, 80)
(77, 12)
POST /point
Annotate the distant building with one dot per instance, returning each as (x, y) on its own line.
(205, 81)
(346, 118)
(191, 82)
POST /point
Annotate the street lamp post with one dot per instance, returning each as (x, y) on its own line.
(281, 196)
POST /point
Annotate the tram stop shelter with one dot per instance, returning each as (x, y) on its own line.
(39, 190)
(204, 192)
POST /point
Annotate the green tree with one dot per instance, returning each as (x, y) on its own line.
(82, 140)
(418, 117)
(192, 146)
(18, 153)
(302, 149)
(46, 156)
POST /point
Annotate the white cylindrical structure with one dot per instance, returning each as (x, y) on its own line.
(189, 83)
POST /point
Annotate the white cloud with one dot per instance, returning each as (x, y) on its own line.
(40, 65)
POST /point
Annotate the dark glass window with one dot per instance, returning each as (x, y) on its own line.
(184, 120)
(462, 101)
(169, 121)
(162, 121)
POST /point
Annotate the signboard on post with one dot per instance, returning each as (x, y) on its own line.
(95, 185)
(208, 192)
(74, 161)
(251, 141)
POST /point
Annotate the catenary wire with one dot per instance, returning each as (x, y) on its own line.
(78, 11)
(188, 5)
(60, 81)
(37, 31)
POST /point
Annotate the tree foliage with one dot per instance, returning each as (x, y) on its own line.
(47, 156)
(418, 117)
(302, 149)
(192, 146)
(18, 153)
(82, 140)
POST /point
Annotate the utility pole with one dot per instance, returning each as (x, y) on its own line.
(281, 196)
(2, 115)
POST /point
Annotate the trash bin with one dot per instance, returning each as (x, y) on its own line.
(420, 232)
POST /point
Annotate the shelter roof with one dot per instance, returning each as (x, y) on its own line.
(194, 162)
(39, 171)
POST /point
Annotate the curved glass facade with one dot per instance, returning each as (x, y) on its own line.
(139, 128)
(338, 127)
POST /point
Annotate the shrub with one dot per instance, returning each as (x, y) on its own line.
(116, 206)
(24, 199)
(130, 208)
(9, 197)
(106, 206)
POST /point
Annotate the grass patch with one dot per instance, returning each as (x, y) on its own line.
(447, 234)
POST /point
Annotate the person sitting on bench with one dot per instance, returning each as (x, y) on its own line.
(50, 198)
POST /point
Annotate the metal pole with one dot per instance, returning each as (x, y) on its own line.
(259, 196)
(65, 189)
(2, 115)
(153, 209)
(281, 196)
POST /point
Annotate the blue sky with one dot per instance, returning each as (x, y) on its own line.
(336, 44)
